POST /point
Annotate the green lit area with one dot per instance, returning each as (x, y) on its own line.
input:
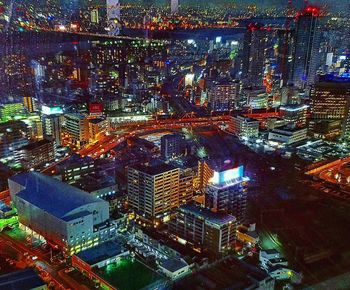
(17, 234)
(8, 222)
(270, 241)
(129, 274)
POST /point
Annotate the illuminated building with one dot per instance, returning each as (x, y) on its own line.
(186, 187)
(294, 114)
(254, 54)
(28, 103)
(153, 191)
(97, 128)
(289, 95)
(37, 153)
(76, 167)
(10, 111)
(52, 127)
(214, 232)
(288, 135)
(77, 129)
(172, 146)
(59, 213)
(13, 135)
(330, 101)
(307, 43)
(223, 96)
(244, 127)
(226, 192)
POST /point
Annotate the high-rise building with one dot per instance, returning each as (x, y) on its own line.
(204, 229)
(9, 111)
(172, 145)
(153, 191)
(13, 135)
(254, 55)
(227, 193)
(244, 127)
(37, 153)
(307, 44)
(330, 100)
(28, 103)
(59, 213)
(77, 129)
(224, 96)
(52, 127)
(294, 114)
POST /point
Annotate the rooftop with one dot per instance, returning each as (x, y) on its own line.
(49, 194)
(21, 280)
(101, 252)
(173, 264)
(154, 169)
(204, 213)
(96, 120)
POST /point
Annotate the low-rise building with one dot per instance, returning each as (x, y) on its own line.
(175, 268)
(288, 135)
(76, 167)
(244, 127)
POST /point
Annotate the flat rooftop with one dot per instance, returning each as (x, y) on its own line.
(100, 253)
(206, 214)
(154, 169)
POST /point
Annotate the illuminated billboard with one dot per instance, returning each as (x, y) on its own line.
(46, 110)
(227, 175)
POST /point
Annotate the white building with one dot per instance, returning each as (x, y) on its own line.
(175, 268)
(244, 127)
(288, 135)
(59, 213)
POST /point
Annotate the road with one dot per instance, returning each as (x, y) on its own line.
(43, 261)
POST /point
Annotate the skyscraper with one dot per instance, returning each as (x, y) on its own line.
(52, 126)
(307, 44)
(254, 50)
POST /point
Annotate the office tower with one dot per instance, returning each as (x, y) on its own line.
(59, 213)
(223, 96)
(254, 55)
(172, 146)
(244, 127)
(174, 6)
(13, 135)
(153, 191)
(204, 229)
(330, 101)
(227, 193)
(294, 114)
(283, 49)
(77, 129)
(37, 153)
(52, 128)
(307, 44)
